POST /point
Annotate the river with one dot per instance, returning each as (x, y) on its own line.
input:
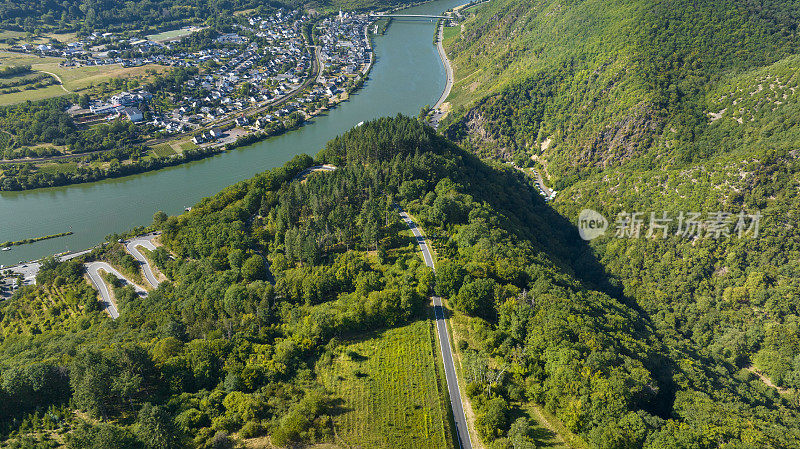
(407, 75)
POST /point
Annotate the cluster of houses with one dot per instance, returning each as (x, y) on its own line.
(273, 61)
(264, 59)
(269, 55)
(90, 50)
(344, 46)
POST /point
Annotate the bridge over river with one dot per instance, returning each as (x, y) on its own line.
(410, 16)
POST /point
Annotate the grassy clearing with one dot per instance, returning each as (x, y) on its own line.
(24, 37)
(173, 34)
(163, 150)
(389, 386)
(79, 78)
(21, 80)
(18, 59)
(33, 95)
(11, 34)
(74, 79)
(549, 430)
(166, 35)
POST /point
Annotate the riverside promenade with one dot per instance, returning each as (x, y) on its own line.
(448, 68)
(438, 113)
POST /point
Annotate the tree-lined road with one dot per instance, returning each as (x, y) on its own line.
(93, 270)
(462, 431)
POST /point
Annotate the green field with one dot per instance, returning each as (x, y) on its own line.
(163, 150)
(10, 34)
(33, 95)
(78, 78)
(24, 37)
(172, 34)
(389, 387)
(188, 145)
(450, 33)
(58, 167)
(17, 59)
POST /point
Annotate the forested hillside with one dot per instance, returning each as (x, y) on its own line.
(599, 84)
(272, 276)
(664, 106)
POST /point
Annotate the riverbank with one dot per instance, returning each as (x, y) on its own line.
(438, 111)
(448, 67)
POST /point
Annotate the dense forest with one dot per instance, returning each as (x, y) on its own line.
(601, 84)
(267, 277)
(659, 107)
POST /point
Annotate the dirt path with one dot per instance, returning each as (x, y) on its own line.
(58, 78)
(767, 381)
(557, 438)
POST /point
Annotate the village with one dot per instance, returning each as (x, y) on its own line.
(258, 72)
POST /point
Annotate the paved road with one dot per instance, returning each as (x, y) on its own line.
(546, 192)
(540, 182)
(93, 269)
(369, 46)
(145, 241)
(464, 439)
(447, 67)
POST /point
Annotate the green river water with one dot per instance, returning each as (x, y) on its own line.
(407, 75)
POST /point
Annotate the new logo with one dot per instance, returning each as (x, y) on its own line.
(591, 224)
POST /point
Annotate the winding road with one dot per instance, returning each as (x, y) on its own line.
(145, 241)
(438, 113)
(93, 270)
(462, 431)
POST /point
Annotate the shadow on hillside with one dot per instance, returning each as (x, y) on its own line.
(515, 196)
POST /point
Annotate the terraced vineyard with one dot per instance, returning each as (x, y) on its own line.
(389, 385)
